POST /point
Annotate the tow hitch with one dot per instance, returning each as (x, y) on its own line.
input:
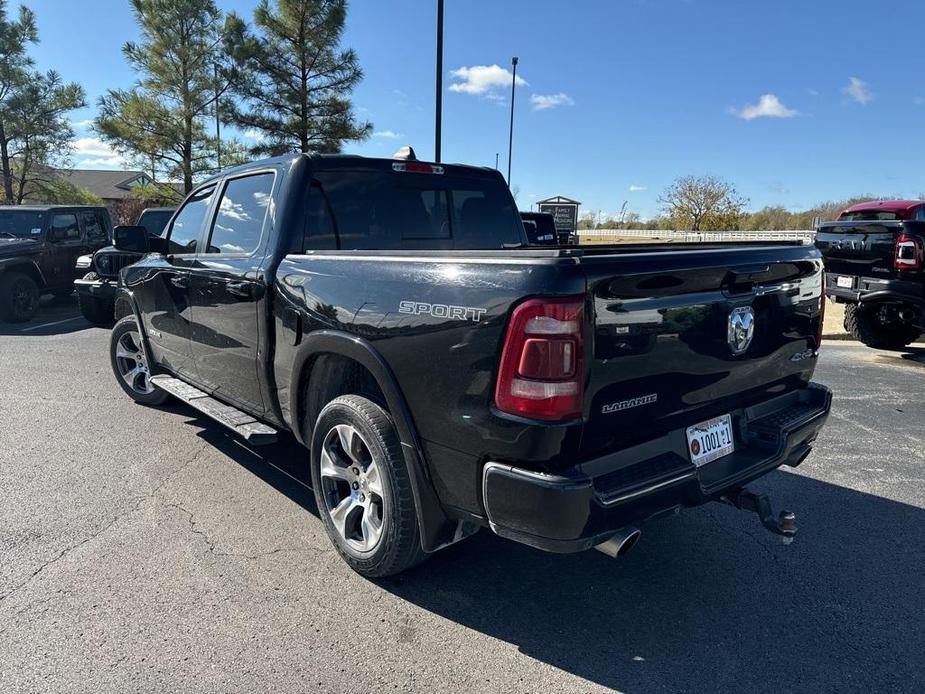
(784, 525)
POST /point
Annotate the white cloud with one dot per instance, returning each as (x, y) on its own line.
(637, 189)
(543, 101)
(82, 124)
(92, 151)
(480, 80)
(254, 134)
(768, 106)
(388, 134)
(859, 90)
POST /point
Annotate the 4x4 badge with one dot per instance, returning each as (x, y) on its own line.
(741, 329)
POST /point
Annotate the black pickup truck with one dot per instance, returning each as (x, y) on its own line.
(39, 246)
(445, 376)
(875, 263)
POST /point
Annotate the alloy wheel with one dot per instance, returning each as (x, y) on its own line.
(351, 482)
(131, 362)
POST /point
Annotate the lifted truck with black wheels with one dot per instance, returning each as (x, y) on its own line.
(96, 290)
(875, 263)
(38, 249)
(445, 376)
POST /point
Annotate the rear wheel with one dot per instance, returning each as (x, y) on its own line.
(130, 365)
(879, 326)
(19, 297)
(362, 487)
(97, 311)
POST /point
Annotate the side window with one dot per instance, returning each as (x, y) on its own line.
(482, 220)
(93, 226)
(241, 214)
(319, 233)
(184, 232)
(64, 227)
(920, 214)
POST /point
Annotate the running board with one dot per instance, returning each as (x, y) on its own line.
(239, 422)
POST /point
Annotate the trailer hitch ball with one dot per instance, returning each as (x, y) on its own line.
(784, 526)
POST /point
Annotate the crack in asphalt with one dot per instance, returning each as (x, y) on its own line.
(210, 543)
(115, 519)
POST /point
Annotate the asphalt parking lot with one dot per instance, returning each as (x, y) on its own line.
(145, 550)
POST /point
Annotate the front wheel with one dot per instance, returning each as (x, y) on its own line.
(362, 487)
(879, 326)
(19, 297)
(130, 366)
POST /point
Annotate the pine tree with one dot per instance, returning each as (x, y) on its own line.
(34, 130)
(163, 120)
(293, 78)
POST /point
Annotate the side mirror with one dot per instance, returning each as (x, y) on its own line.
(132, 239)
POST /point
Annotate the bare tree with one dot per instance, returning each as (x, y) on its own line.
(703, 202)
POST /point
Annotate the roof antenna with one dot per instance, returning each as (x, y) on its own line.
(405, 153)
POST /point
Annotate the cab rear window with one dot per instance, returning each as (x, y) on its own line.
(368, 210)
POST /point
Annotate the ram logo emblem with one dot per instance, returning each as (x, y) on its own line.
(741, 329)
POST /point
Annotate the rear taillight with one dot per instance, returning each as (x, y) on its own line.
(822, 300)
(542, 362)
(907, 254)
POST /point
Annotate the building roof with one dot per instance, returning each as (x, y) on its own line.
(558, 200)
(107, 184)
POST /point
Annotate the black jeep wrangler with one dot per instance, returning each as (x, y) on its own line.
(96, 290)
(38, 249)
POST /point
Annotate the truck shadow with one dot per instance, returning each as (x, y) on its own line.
(706, 601)
(56, 316)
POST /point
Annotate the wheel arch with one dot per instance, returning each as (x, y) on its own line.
(26, 266)
(436, 528)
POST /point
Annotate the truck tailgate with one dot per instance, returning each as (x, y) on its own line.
(862, 249)
(662, 351)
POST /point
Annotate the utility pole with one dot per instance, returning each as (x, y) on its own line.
(218, 127)
(439, 110)
(496, 160)
(510, 140)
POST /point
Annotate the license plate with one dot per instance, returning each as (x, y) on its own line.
(845, 282)
(710, 440)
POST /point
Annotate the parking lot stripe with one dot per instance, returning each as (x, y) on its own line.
(46, 325)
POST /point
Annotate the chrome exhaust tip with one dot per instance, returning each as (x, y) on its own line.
(621, 543)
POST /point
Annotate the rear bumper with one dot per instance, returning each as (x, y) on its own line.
(872, 290)
(587, 504)
(102, 289)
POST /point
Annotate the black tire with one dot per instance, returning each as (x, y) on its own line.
(399, 545)
(867, 325)
(97, 311)
(140, 390)
(19, 297)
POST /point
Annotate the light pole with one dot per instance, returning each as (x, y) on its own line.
(510, 140)
(496, 161)
(439, 109)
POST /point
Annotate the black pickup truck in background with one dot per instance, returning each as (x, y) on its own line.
(445, 376)
(96, 288)
(540, 228)
(875, 263)
(39, 247)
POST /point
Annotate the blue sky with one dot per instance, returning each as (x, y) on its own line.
(793, 101)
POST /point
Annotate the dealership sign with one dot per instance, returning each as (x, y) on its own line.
(564, 211)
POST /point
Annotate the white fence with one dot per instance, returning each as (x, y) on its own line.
(806, 236)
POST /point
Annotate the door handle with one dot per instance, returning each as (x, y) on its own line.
(242, 289)
(179, 282)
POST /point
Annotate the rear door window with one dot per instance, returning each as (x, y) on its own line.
(93, 226)
(371, 210)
